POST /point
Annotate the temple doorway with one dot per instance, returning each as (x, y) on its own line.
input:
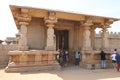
(62, 39)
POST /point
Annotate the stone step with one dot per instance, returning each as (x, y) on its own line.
(32, 68)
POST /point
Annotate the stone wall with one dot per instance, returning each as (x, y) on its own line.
(36, 34)
(113, 38)
(4, 57)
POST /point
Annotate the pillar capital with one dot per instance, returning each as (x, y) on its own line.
(104, 29)
(51, 19)
(107, 24)
(23, 20)
(88, 21)
(86, 27)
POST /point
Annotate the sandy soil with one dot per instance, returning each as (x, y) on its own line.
(69, 73)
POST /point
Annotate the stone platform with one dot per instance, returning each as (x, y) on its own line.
(33, 60)
(91, 59)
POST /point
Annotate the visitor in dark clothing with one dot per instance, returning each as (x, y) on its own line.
(118, 61)
(103, 59)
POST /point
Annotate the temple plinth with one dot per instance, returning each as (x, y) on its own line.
(34, 60)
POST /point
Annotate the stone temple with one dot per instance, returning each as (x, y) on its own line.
(42, 32)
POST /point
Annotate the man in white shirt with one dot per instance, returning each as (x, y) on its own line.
(113, 58)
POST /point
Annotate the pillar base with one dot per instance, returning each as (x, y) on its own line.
(86, 49)
(105, 49)
(50, 48)
(22, 48)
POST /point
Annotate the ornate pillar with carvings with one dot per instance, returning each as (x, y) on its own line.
(86, 36)
(50, 23)
(104, 41)
(93, 37)
(23, 21)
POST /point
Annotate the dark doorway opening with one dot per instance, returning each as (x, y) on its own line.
(62, 37)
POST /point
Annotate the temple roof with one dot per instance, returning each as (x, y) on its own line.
(42, 13)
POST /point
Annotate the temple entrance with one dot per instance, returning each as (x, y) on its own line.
(62, 37)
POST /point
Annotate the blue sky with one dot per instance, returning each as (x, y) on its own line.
(108, 8)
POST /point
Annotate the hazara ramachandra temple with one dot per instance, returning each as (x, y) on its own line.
(42, 32)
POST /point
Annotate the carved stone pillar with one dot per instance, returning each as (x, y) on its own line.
(93, 37)
(50, 23)
(23, 20)
(104, 41)
(50, 38)
(23, 33)
(86, 36)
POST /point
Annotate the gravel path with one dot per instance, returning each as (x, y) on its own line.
(69, 73)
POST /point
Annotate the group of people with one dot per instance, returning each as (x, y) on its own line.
(63, 57)
(115, 58)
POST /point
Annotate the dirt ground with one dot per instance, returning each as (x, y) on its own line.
(69, 73)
